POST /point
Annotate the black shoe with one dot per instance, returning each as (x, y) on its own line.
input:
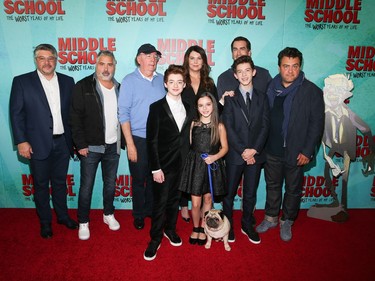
(194, 241)
(186, 211)
(173, 238)
(69, 223)
(202, 242)
(46, 230)
(252, 235)
(187, 220)
(231, 237)
(139, 223)
(151, 250)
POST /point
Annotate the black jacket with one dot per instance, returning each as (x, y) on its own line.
(245, 131)
(86, 114)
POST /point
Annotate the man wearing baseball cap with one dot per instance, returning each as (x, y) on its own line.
(138, 90)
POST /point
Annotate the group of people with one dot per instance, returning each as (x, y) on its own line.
(185, 139)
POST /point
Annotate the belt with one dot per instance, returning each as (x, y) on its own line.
(57, 136)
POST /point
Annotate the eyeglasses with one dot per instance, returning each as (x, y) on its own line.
(43, 59)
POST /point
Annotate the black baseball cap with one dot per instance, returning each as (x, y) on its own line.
(147, 49)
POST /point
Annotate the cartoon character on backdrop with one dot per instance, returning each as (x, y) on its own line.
(339, 139)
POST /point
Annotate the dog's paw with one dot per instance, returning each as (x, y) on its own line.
(227, 247)
(208, 245)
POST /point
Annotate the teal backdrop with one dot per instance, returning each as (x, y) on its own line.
(335, 36)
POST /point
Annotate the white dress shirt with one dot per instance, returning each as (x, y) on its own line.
(178, 111)
(52, 91)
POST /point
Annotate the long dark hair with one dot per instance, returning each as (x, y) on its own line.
(215, 137)
(206, 81)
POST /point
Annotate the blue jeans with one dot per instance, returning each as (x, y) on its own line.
(277, 171)
(89, 165)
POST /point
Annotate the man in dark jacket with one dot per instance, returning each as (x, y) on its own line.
(97, 138)
(39, 112)
(296, 128)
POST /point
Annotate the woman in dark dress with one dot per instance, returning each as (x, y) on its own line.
(197, 81)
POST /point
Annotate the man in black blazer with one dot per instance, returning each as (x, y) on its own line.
(39, 113)
(296, 128)
(246, 118)
(168, 127)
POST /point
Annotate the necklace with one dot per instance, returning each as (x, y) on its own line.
(206, 125)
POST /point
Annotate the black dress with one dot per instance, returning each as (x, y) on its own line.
(194, 178)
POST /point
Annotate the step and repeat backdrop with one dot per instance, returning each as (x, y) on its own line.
(335, 37)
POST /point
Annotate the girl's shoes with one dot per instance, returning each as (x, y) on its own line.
(193, 241)
(201, 242)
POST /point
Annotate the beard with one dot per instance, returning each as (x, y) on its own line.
(105, 76)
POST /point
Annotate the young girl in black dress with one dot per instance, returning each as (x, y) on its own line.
(207, 135)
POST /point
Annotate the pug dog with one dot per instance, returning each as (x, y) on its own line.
(216, 226)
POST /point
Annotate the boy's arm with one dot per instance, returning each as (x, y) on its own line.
(152, 134)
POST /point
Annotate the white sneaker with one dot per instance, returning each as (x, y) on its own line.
(111, 221)
(84, 231)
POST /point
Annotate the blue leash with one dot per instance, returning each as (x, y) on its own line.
(209, 168)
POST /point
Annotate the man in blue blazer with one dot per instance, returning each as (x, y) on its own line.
(39, 112)
(246, 118)
(296, 129)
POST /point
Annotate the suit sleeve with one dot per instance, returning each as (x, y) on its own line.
(152, 135)
(17, 112)
(316, 123)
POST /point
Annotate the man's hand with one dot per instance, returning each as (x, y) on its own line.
(248, 156)
(302, 160)
(159, 176)
(226, 93)
(25, 150)
(132, 153)
(83, 152)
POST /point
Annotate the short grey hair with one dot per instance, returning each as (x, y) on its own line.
(107, 54)
(45, 47)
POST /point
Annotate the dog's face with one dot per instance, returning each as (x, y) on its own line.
(214, 218)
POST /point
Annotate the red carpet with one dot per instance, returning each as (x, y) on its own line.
(319, 250)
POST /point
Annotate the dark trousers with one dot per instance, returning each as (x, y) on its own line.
(251, 175)
(51, 170)
(276, 172)
(109, 163)
(165, 207)
(141, 181)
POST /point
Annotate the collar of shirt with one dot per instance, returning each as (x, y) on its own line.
(174, 103)
(144, 77)
(243, 93)
(41, 76)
